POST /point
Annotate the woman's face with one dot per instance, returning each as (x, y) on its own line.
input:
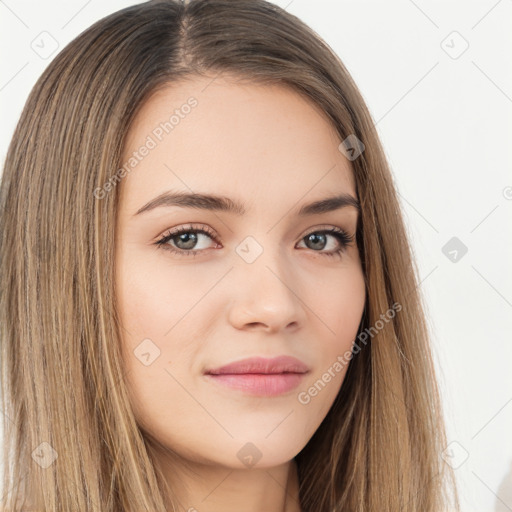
(256, 280)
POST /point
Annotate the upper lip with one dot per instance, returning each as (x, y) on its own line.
(276, 365)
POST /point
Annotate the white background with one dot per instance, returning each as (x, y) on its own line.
(445, 121)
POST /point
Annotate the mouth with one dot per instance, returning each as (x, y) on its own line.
(259, 376)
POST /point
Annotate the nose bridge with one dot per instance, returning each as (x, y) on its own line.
(264, 288)
(260, 259)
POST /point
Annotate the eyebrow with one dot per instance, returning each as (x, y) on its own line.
(225, 204)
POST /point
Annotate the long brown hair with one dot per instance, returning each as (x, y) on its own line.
(63, 387)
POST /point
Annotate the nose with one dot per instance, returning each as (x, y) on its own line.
(267, 296)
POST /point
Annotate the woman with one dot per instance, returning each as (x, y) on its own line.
(208, 298)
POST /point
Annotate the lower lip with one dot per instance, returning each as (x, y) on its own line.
(259, 384)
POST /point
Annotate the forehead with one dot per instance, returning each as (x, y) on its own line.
(234, 139)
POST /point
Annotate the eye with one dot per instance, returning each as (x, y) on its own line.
(319, 240)
(186, 240)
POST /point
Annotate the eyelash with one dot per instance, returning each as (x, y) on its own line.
(341, 235)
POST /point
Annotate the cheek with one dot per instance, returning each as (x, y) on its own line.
(153, 299)
(154, 296)
(339, 304)
(149, 359)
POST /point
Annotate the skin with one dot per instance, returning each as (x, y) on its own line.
(274, 151)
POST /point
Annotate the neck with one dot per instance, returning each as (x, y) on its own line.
(209, 488)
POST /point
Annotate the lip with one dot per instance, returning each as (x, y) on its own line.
(280, 364)
(260, 376)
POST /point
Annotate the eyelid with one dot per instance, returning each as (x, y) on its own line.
(203, 228)
(327, 227)
(184, 228)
